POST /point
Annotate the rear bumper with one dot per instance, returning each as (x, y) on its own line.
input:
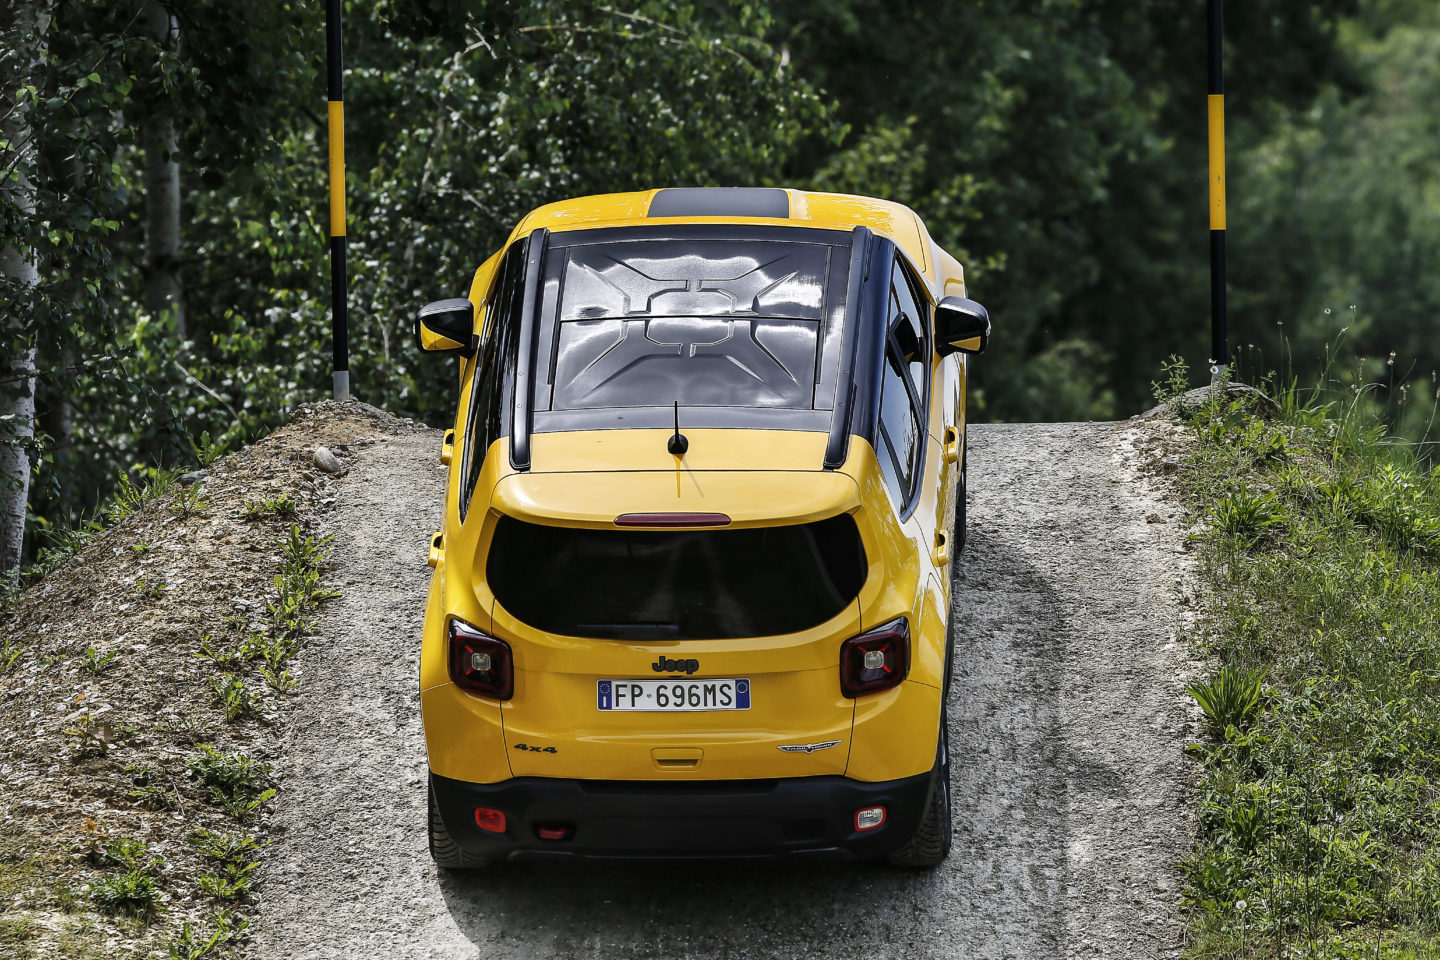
(810, 817)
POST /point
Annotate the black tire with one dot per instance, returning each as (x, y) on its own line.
(931, 843)
(443, 850)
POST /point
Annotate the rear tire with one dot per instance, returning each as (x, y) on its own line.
(931, 843)
(446, 853)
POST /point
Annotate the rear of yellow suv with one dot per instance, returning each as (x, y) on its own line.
(691, 597)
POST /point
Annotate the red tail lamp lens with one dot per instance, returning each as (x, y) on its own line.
(480, 663)
(877, 660)
(492, 821)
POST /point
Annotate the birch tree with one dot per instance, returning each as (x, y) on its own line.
(162, 186)
(22, 26)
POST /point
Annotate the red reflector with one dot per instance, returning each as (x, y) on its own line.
(491, 820)
(553, 832)
(672, 520)
(868, 818)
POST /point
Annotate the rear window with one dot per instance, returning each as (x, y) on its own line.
(676, 585)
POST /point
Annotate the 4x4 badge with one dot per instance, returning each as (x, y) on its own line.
(809, 747)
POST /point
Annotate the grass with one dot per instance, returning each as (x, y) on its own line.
(1320, 810)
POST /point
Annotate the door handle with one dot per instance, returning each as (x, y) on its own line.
(941, 553)
(447, 448)
(952, 445)
(437, 548)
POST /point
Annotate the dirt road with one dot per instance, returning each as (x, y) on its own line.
(1067, 714)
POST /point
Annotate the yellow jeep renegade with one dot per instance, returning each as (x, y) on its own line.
(691, 597)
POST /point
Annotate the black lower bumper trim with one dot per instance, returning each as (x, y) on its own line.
(807, 817)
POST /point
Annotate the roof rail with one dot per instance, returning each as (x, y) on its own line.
(838, 445)
(520, 426)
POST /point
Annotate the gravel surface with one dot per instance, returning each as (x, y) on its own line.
(1068, 719)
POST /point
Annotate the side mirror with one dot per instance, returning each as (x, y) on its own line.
(961, 326)
(447, 326)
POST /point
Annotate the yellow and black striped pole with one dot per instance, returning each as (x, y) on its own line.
(1219, 350)
(339, 306)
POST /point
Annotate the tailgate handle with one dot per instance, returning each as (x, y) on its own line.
(677, 758)
(941, 554)
(437, 548)
(952, 445)
(447, 448)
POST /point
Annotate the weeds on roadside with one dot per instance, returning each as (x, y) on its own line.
(133, 889)
(93, 735)
(1229, 698)
(235, 698)
(206, 451)
(187, 501)
(191, 944)
(230, 855)
(96, 663)
(281, 682)
(10, 650)
(188, 730)
(280, 508)
(1248, 516)
(1320, 544)
(239, 784)
(226, 658)
(150, 591)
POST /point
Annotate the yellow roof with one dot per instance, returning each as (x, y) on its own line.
(836, 210)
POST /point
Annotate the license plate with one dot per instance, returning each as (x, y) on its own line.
(672, 696)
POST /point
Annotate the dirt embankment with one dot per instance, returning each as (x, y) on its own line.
(1068, 719)
(109, 670)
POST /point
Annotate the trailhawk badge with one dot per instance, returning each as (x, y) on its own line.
(808, 747)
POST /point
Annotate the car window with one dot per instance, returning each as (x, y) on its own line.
(911, 315)
(678, 585)
(486, 423)
(903, 385)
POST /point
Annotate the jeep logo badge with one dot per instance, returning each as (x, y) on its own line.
(666, 665)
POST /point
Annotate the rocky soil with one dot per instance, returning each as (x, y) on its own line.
(1068, 719)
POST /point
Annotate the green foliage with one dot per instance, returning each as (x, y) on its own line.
(131, 888)
(150, 591)
(464, 116)
(1229, 698)
(279, 508)
(239, 784)
(187, 501)
(10, 651)
(1318, 810)
(236, 699)
(193, 944)
(96, 663)
(1249, 516)
(133, 893)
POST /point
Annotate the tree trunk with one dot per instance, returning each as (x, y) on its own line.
(162, 189)
(22, 26)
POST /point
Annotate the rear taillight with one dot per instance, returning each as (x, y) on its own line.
(875, 661)
(480, 663)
